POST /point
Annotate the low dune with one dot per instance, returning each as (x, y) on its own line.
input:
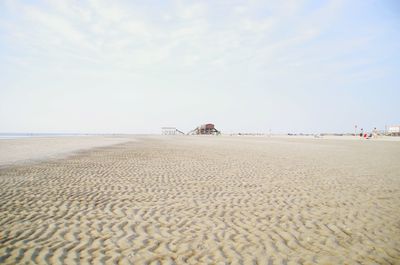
(206, 200)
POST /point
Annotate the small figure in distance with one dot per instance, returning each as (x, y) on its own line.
(362, 132)
(375, 133)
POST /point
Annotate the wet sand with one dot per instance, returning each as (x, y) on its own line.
(33, 149)
(206, 200)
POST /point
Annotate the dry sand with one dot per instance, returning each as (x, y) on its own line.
(206, 200)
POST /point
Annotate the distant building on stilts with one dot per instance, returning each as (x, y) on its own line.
(205, 129)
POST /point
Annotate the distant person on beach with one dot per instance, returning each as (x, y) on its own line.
(362, 132)
(375, 133)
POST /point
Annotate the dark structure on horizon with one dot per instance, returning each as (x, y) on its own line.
(205, 129)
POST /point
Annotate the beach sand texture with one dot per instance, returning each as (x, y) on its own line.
(33, 149)
(206, 200)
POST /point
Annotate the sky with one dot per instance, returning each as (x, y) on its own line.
(247, 66)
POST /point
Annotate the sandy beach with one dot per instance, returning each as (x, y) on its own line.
(33, 149)
(200, 200)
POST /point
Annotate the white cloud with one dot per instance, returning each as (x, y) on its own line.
(190, 47)
(258, 26)
(191, 11)
(118, 34)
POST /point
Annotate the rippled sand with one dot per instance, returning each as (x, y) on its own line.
(206, 200)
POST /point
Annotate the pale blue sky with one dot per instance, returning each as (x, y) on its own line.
(134, 66)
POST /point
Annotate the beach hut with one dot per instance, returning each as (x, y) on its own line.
(205, 129)
(170, 131)
(393, 130)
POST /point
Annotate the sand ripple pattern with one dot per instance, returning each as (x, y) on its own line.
(206, 200)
